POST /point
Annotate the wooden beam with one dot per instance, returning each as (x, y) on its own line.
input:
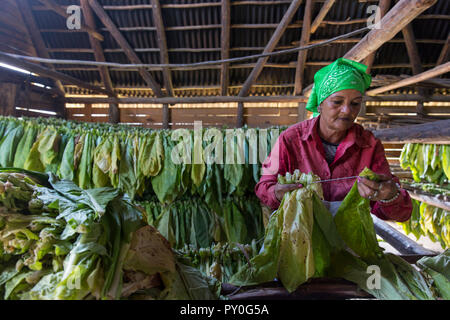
(432, 200)
(162, 44)
(322, 13)
(190, 100)
(436, 132)
(36, 38)
(225, 46)
(441, 69)
(302, 54)
(290, 12)
(50, 4)
(384, 6)
(414, 59)
(123, 43)
(444, 56)
(45, 72)
(114, 115)
(411, 47)
(392, 23)
(166, 116)
(8, 99)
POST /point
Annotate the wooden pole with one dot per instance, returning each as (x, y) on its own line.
(436, 132)
(441, 69)
(166, 116)
(162, 43)
(414, 58)
(392, 23)
(384, 6)
(295, 4)
(301, 58)
(114, 114)
(123, 43)
(225, 47)
(322, 13)
(253, 99)
(240, 115)
(42, 71)
(444, 56)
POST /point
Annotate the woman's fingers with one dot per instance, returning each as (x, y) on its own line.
(281, 189)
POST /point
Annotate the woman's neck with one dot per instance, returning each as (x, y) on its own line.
(330, 135)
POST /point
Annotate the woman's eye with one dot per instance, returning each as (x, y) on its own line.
(337, 102)
(356, 103)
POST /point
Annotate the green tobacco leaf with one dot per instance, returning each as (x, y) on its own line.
(355, 225)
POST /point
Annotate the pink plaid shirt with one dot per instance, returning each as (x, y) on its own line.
(300, 147)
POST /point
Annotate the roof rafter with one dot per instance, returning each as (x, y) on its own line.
(123, 43)
(384, 6)
(36, 38)
(289, 14)
(225, 46)
(302, 54)
(162, 43)
(322, 13)
(444, 56)
(114, 115)
(51, 5)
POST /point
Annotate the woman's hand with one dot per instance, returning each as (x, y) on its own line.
(383, 190)
(281, 189)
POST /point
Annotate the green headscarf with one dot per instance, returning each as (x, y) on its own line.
(339, 75)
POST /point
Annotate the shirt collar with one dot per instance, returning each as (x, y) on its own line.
(310, 130)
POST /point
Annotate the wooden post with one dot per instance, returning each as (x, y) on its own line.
(225, 47)
(240, 115)
(393, 22)
(301, 111)
(8, 93)
(166, 116)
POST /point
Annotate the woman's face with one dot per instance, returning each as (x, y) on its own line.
(339, 110)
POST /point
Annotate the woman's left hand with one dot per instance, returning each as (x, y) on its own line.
(384, 189)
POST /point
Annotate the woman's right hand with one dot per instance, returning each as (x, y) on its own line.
(281, 189)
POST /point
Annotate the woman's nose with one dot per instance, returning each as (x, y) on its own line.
(345, 108)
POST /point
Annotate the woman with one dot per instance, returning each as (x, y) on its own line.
(332, 146)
